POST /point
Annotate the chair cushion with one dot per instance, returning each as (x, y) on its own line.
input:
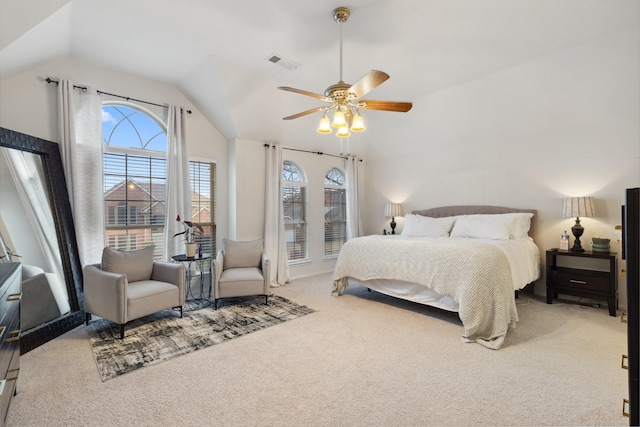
(242, 274)
(149, 296)
(238, 282)
(136, 265)
(242, 253)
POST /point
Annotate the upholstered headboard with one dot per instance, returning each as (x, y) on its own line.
(474, 209)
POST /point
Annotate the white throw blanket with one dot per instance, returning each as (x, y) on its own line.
(475, 274)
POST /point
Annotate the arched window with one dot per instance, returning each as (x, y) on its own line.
(335, 212)
(134, 162)
(294, 197)
(135, 143)
(129, 127)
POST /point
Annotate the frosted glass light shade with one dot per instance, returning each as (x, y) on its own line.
(343, 131)
(324, 126)
(358, 123)
(339, 119)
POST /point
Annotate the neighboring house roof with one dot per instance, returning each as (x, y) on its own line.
(143, 187)
(157, 193)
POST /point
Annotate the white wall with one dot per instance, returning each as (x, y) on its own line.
(28, 105)
(249, 190)
(563, 125)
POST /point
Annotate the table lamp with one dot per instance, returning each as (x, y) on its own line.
(577, 207)
(393, 210)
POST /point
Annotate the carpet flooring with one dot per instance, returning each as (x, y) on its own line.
(361, 359)
(164, 335)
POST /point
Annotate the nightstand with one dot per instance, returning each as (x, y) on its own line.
(583, 274)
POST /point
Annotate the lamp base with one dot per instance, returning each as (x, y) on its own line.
(393, 225)
(577, 231)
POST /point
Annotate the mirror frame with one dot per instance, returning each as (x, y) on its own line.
(49, 152)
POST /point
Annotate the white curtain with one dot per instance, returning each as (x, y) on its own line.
(178, 196)
(354, 225)
(274, 244)
(80, 132)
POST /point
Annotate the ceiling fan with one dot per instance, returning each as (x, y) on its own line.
(345, 100)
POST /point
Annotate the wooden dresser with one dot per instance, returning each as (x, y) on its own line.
(10, 295)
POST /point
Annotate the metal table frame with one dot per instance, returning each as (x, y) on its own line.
(191, 301)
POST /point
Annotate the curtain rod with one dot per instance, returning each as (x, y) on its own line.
(84, 89)
(320, 153)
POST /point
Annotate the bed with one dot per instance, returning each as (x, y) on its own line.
(468, 259)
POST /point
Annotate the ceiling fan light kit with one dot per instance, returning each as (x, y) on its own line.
(344, 99)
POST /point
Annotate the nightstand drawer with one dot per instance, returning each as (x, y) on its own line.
(579, 282)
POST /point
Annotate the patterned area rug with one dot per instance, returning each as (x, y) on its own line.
(164, 335)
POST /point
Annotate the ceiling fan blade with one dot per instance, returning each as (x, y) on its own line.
(369, 82)
(304, 113)
(304, 92)
(401, 107)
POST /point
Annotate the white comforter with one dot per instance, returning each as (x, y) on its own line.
(475, 274)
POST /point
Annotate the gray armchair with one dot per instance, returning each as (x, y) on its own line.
(241, 269)
(130, 284)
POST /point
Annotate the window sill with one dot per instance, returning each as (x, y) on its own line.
(299, 262)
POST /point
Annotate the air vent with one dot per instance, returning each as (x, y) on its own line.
(282, 62)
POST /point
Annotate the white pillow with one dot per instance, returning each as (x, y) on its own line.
(493, 226)
(424, 226)
(521, 225)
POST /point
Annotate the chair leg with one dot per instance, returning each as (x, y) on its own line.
(122, 331)
(181, 312)
(215, 304)
(87, 318)
(266, 299)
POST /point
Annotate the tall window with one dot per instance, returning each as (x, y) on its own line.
(134, 178)
(335, 212)
(203, 184)
(134, 163)
(294, 196)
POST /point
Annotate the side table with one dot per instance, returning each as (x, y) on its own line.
(204, 263)
(581, 280)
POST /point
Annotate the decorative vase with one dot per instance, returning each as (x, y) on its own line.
(191, 249)
(600, 245)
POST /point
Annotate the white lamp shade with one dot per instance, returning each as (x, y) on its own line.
(325, 125)
(343, 131)
(393, 209)
(358, 123)
(339, 119)
(574, 207)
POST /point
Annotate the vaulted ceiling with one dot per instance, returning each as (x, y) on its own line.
(215, 51)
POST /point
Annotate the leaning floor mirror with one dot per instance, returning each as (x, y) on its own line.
(37, 230)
